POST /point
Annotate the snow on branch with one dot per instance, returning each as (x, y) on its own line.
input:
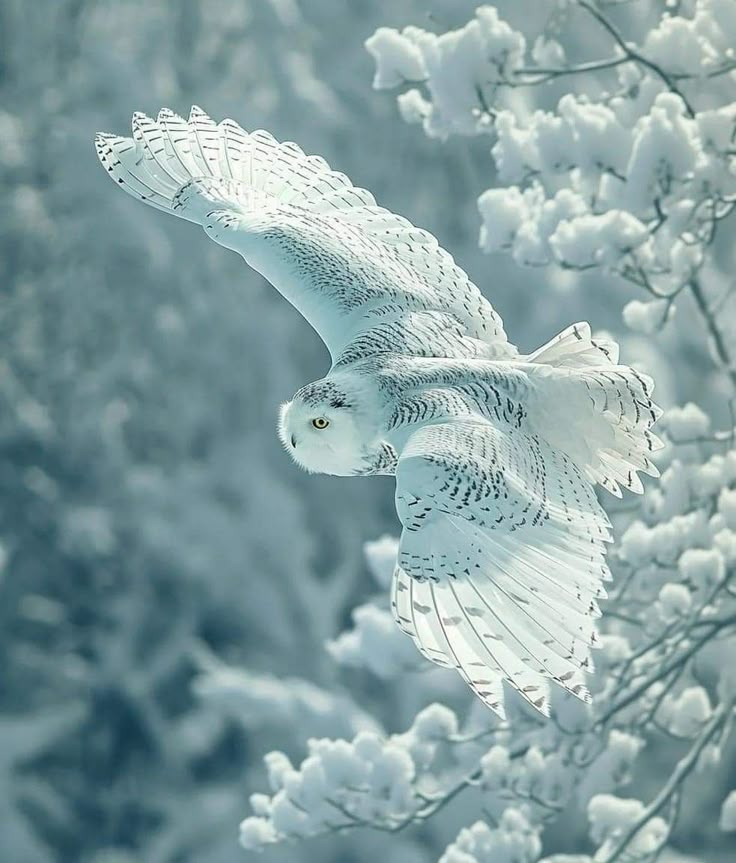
(629, 171)
(632, 173)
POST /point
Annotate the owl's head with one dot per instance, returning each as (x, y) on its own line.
(328, 427)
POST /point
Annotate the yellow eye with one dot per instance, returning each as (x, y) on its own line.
(320, 423)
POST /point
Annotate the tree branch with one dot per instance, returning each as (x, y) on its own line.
(677, 777)
(722, 350)
(635, 55)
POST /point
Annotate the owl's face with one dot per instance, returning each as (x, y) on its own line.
(323, 429)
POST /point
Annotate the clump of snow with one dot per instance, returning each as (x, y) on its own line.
(495, 766)
(646, 317)
(380, 554)
(727, 821)
(665, 150)
(374, 643)
(398, 58)
(256, 832)
(703, 567)
(697, 44)
(413, 107)
(433, 728)
(369, 778)
(610, 816)
(503, 212)
(453, 67)
(725, 542)
(591, 239)
(435, 722)
(727, 507)
(600, 141)
(514, 840)
(615, 648)
(685, 713)
(686, 423)
(674, 601)
(635, 544)
(262, 700)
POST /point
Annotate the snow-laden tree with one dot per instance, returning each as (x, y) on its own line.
(141, 480)
(612, 129)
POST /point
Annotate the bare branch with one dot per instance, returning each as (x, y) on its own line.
(678, 776)
(634, 55)
(722, 350)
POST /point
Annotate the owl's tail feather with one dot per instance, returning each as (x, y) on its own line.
(192, 167)
(618, 435)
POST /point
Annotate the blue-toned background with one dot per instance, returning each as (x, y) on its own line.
(151, 525)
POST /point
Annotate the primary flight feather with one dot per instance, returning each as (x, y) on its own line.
(496, 455)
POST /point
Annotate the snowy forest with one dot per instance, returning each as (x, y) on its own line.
(199, 663)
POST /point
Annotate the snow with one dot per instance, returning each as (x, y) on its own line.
(258, 700)
(374, 643)
(686, 713)
(609, 816)
(453, 65)
(615, 648)
(255, 832)
(591, 239)
(645, 317)
(724, 541)
(636, 543)
(673, 602)
(413, 107)
(514, 841)
(370, 777)
(495, 765)
(703, 567)
(600, 141)
(727, 507)
(380, 555)
(515, 150)
(695, 44)
(435, 722)
(152, 520)
(503, 211)
(665, 151)
(686, 423)
(398, 58)
(727, 821)
(279, 768)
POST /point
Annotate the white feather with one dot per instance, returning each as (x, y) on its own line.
(502, 557)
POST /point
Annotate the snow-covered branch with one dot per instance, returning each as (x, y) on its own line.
(630, 173)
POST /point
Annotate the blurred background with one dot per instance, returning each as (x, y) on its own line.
(152, 528)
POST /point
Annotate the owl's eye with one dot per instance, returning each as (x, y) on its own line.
(320, 423)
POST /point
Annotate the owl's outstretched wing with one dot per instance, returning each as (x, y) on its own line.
(366, 279)
(501, 560)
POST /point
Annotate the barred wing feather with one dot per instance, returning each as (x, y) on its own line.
(501, 560)
(361, 275)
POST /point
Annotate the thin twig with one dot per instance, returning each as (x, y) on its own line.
(543, 74)
(635, 55)
(677, 777)
(719, 342)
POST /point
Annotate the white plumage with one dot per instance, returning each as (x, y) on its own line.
(502, 555)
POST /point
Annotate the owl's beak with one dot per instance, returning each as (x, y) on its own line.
(293, 441)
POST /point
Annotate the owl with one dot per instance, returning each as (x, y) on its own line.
(496, 454)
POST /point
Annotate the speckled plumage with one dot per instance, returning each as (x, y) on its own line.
(502, 555)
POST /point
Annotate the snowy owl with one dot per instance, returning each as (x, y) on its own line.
(496, 454)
